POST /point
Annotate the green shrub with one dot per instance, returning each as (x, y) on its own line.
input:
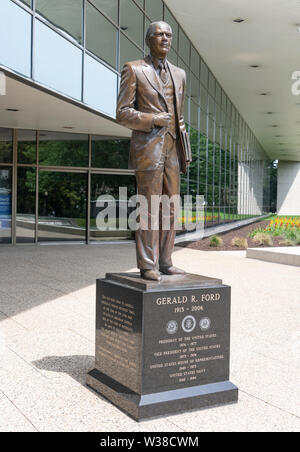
(256, 231)
(291, 237)
(261, 238)
(215, 241)
(239, 242)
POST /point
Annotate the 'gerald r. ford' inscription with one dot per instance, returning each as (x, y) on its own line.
(184, 299)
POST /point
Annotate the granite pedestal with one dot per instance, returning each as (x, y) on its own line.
(162, 347)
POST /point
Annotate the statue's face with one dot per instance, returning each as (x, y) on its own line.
(160, 40)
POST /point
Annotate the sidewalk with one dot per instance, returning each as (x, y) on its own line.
(47, 329)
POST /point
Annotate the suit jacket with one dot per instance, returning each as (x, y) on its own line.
(140, 98)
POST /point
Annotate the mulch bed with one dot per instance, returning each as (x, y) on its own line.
(228, 236)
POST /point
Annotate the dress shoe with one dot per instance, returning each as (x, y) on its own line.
(171, 271)
(152, 275)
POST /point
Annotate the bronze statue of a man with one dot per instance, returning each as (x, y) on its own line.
(151, 103)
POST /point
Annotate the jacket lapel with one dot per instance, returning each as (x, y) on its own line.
(152, 77)
(177, 84)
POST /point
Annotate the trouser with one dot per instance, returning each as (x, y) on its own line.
(154, 246)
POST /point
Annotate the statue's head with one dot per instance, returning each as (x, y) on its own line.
(159, 39)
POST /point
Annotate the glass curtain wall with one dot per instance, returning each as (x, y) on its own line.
(229, 168)
(63, 181)
(6, 169)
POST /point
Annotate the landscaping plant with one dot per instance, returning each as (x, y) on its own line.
(215, 241)
(239, 242)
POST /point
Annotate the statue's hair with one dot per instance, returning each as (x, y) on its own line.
(151, 28)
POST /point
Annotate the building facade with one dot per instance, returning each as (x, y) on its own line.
(60, 147)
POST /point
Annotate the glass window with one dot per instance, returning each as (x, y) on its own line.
(27, 2)
(154, 9)
(212, 84)
(102, 96)
(5, 204)
(187, 72)
(204, 74)
(101, 36)
(170, 19)
(211, 106)
(128, 51)
(6, 145)
(63, 149)
(195, 88)
(195, 61)
(62, 206)
(58, 63)
(26, 146)
(131, 21)
(224, 101)
(109, 7)
(186, 110)
(194, 115)
(203, 98)
(65, 14)
(184, 46)
(15, 32)
(104, 184)
(140, 3)
(25, 229)
(218, 93)
(172, 57)
(107, 153)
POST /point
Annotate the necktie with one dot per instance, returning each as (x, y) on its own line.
(163, 73)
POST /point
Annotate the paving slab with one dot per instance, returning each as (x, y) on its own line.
(284, 255)
(47, 340)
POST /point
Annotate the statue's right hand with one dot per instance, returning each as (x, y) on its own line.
(162, 120)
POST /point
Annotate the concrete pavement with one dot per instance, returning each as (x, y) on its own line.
(47, 315)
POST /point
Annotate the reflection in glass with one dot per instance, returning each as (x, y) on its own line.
(26, 205)
(5, 204)
(58, 63)
(65, 14)
(109, 185)
(128, 51)
(172, 57)
(107, 153)
(101, 96)
(140, 3)
(194, 139)
(109, 7)
(6, 145)
(26, 146)
(195, 61)
(131, 21)
(27, 2)
(204, 74)
(101, 36)
(62, 206)
(63, 149)
(184, 46)
(187, 72)
(195, 88)
(154, 9)
(15, 37)
(170, 19)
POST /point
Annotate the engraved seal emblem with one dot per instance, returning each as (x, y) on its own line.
(205, 324)
(172, 327)
(188, 324)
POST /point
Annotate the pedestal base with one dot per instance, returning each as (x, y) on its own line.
(162, 347)
(162, 403)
